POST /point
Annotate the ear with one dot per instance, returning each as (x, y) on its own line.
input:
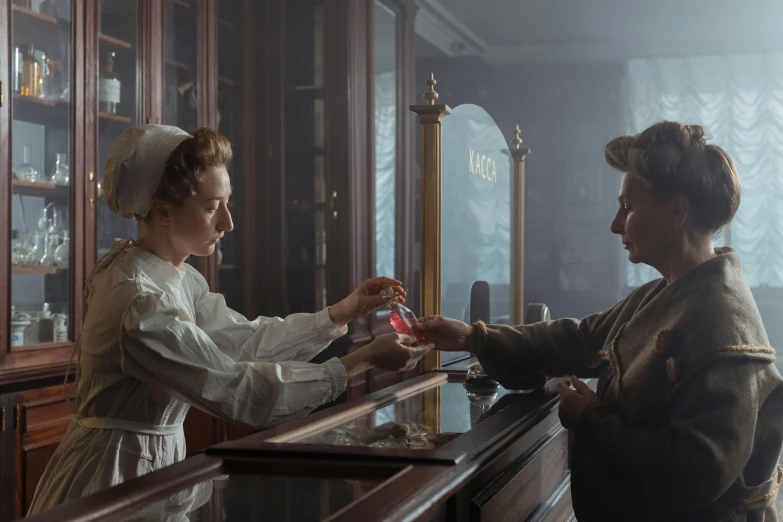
(161, 212)
(680, 208)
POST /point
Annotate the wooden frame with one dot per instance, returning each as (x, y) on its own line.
(44, 358)
(526, 411)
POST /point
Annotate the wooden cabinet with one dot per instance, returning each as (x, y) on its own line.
(34, 423)
(78, 73)
(291, 89)
(517, 493)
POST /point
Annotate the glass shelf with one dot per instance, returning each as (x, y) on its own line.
(41, 213)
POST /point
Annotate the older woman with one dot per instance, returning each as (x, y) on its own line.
(156, 340)
(687, 421)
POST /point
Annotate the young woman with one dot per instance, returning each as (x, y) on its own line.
(687, 424)
(155, 341)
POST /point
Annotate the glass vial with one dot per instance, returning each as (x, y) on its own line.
(401, 317)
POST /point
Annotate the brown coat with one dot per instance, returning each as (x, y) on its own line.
(691, 427)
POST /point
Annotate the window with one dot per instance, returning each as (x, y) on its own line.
(739, 100)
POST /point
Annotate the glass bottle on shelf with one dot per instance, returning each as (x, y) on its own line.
(61, 174)
(51, 83)
(47, 260)
(108, 85)
(18, 248)
(17, 61)
(60, 327)
(62, 252)
(31, 72)
(56, 225)
(35, 251)
(27, 171)
(44, 222)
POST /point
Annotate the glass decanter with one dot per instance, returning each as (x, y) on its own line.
(61, 174)
(62, 252)
(35, 249)
(27, 171)
(48, 261)
(401, 317)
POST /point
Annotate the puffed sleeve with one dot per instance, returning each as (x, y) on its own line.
(298, 337)
(160, 345)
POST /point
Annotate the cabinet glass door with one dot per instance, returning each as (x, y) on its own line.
(230, 120)
(118, 102)
(41, 154)
(309, 199)
(182, 41)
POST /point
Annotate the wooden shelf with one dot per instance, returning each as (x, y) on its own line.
(42, 190)
(33, 14)
(181, 3)
(35, 100)
(18, 270)
(226, 81)
(114, 41)
(176, 65)
(113, 117)
(229, 25)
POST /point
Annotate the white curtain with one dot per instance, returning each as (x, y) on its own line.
(739, 99)
(385, 162)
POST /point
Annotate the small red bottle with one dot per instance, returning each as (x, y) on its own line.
(401, 317)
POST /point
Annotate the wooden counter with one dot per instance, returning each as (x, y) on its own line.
(477, 459)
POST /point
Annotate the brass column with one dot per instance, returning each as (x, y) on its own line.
(518, 155)
(430, 165)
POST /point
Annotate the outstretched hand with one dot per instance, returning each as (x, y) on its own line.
(448, 335)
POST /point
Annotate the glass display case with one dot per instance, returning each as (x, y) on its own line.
(308, 194)
(487, 452)
(233, 109)
(182, 71)
(117, 104)
(42, 192)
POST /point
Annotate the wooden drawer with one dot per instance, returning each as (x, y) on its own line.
(526, 485)
(42, 420)
(558, 508)
(40, 409)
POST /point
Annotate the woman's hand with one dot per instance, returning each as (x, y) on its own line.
(577, 404)
(392, 352)
(365, 299)
(448, 335)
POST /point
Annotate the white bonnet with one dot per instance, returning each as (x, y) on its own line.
(135, 167)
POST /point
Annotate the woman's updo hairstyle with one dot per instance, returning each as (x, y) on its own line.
(203, 150)
(676, 159)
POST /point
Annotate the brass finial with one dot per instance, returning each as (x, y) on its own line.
(517, 141)
(431, 95)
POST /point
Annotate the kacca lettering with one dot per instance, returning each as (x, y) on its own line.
(482, 165)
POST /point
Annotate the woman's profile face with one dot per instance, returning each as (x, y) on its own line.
(199, 224)
(646, 227)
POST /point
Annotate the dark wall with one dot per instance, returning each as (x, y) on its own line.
(567, 113)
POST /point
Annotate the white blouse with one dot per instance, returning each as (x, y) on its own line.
(155, 341)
